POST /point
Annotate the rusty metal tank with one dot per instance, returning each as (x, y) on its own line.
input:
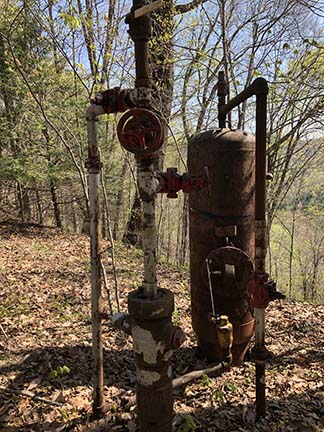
(221, 231)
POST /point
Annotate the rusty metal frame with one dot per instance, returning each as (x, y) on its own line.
(258, 88)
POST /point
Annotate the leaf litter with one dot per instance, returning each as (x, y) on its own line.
(45, 349)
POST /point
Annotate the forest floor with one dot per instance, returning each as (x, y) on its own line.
(45, 349)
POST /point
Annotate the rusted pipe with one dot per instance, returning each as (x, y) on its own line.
(140, 31)
(259, 88)
(182, 380)
(260, 175)
(260, 240)
(94, 166)
(121, 322)
(221, 94)
(150, 309)
(153, 338)
(259, 352)
(142, 64)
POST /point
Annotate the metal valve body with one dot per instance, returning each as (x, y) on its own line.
(221, 227)
(140, 131)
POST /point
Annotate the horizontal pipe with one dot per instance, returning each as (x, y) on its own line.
(213, 371)
(259, 86)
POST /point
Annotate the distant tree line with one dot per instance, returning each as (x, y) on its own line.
(54, 56)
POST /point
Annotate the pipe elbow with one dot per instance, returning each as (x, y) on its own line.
(93, 111)
(177, 337)
(260, 86)
(122, 322)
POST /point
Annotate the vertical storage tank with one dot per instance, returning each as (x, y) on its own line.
(221, 230)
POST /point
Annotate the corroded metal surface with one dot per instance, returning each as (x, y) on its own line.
(140, 131)
(150, 309)
(94, 166)
(147, 189)
(153, 333)
(230, 158)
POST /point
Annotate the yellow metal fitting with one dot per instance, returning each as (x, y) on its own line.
(225, 337)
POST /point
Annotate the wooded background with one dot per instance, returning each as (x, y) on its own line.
(55, 55)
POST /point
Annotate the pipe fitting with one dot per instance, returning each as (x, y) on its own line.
(151, 331)
(225, 337)
(122, 322)
(116, 100)
(260, 86)
(177, 337)
(139, 28)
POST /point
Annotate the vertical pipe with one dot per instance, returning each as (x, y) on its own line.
(260, 88)
(96, 295)
(142, 64)
(140, 31)
(260, 174)
(150, 309)
(221, 94)
(260, 386)
(260, 246)
(94, 166)
(147, 190)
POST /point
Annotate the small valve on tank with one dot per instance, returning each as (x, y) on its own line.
(224, 331)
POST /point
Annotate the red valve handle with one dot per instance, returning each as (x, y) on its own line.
(139, 131)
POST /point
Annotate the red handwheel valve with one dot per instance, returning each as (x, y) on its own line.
(140, 131)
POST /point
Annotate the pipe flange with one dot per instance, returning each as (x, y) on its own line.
(160, 306)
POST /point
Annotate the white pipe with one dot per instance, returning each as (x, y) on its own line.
(147, 186)
(94, 166)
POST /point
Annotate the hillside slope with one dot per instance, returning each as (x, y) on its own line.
(45, 349)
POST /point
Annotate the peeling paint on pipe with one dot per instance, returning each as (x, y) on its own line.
(94, 166)
(145, 344)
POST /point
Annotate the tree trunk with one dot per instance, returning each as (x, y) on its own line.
(57, 210)
(52, 182)
(39, 208)
(162, 60)
(21, 212)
